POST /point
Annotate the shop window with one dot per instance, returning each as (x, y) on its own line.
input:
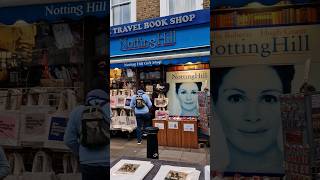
(170, 7)
(122, 12)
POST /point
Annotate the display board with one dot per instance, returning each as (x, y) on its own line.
(182, 94)
(246, 127)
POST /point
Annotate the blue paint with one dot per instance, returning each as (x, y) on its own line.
(54, 12)
(237, 3)
(162, 23)
(203, 59)
(185, 38)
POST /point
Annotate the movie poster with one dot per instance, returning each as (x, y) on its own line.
(252, 68)
(183, 92)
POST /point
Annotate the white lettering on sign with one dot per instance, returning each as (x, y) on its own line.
(65, 10)
(153, 24)
(78, 10)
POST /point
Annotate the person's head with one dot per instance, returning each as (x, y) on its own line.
(187, 94)
(246, 99)
(97, 97)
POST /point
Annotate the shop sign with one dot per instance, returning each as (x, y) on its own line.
(143, 63)
(265, 45)
(160, 39)
(54, 11)
(76, 9)
(167, 22)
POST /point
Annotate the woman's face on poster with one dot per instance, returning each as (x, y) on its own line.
(187, 95)
(249, 109)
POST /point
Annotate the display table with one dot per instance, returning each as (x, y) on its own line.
(172, 133)
(157, 164)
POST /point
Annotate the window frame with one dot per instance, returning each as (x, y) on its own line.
(164, 7)
(133, 8)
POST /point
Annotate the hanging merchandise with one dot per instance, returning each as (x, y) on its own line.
(25, 41)
(9, 128)
(63, 36)
(121, 99)
(3, 99)
(8, 37)
(15, 99)
(131, 123)
(113, 98)
(115, 123)
(130, 73)
(16, 167)
(123, 118)
(70, 168)
(162, 114)
(41, 168)
(76, 55)
(128, 99)
(3, 66)
(161, 101)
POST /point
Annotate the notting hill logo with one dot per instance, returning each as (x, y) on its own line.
(76, 9)
(157, 40)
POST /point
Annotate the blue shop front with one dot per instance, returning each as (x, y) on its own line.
(169, 57)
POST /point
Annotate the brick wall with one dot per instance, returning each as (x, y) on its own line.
(147, 9)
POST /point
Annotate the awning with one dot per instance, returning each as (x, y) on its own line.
(54, 12)
(237, 3)
(196, 57)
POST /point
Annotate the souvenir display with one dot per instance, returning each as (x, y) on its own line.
(300, 133)
(167, 172)
(130, 169)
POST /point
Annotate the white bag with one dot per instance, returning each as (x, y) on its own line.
(121, 100)
(35, 126)
(9, 128)
(70, 161)
(162, 114)
(56, 129)
(115, 124)
(41, 168)
(123, 118)
(16, 167)
(131, 123)
(3, 100)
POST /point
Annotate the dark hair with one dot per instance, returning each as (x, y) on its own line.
(285, 73)
(199, 84)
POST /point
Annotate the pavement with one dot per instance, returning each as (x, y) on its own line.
(123, 147)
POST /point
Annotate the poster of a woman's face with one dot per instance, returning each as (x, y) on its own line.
(183, 91)
(187, 94)
(247, 117)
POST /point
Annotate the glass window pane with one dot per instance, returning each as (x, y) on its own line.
(181, 6)
(125, 13)
(116, 15)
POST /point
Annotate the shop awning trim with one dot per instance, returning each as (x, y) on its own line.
(196, 57)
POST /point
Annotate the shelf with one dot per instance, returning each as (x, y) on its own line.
(263, 26)
(263, 8)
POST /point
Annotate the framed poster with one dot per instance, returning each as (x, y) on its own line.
(251, 69)
(183, 91)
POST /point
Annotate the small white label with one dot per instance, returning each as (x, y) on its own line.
(188, 127)
(173, 125)
(159, 125)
